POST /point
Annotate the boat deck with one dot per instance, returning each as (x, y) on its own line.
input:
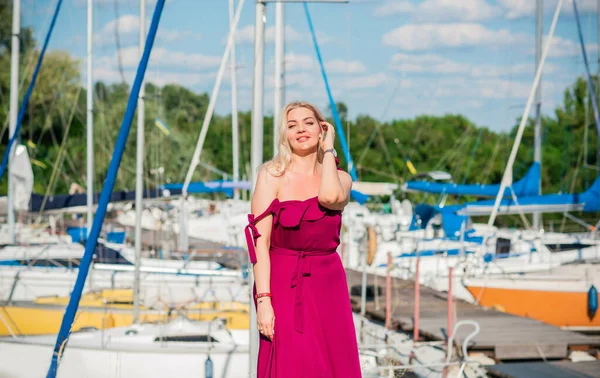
(553, 369)
(502, 336)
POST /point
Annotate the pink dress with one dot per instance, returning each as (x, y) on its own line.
(314, 330)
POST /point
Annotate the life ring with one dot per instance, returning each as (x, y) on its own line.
(371, 244)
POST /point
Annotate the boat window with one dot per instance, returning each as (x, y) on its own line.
(186, 338)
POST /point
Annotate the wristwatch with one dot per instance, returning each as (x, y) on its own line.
(332, 150)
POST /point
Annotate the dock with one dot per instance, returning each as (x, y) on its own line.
(502, 336)
(552, 369)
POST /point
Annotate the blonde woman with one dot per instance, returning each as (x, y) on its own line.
(302, 302)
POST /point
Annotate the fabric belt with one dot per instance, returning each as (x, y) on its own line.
(301, 270)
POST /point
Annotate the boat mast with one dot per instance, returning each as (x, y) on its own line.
(14, 103)
(257, 144)
(235, 129)
(538, 105)
(598, 86)
(279, 71)
(90, 122)
(507, 176)
(139, 175)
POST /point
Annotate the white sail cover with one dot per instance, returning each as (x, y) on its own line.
(22, 178)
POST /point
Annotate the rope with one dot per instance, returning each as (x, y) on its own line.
(488, 169)
(455, 149)
(59, 158)
(477, 141)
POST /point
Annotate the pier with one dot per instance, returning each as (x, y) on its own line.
(503, 337)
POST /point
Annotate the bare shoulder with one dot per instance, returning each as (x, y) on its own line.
(268, 180)
(267, 187)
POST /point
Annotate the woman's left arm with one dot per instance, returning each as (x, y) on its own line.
(334, 191)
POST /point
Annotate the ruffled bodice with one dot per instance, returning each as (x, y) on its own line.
(319, 226)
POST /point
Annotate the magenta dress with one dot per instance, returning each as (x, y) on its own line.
(314, 330)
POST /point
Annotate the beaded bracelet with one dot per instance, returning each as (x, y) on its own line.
(261, 295)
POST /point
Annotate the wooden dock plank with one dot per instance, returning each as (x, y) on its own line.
(506, 336)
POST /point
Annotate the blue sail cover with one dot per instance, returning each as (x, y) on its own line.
(228, 186)
(526, 186)
(454, 215)
(588, 201)
(217, 186)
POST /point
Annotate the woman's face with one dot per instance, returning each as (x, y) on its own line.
(303, 130)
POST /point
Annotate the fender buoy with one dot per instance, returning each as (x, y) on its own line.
(371, 245)
(592, 302)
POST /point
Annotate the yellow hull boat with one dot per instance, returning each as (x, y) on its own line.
(108, 309)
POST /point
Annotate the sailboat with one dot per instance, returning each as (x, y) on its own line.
(190, 349)
(565, 296)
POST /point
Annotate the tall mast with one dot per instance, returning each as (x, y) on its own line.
(598, 81)
(139, 176)
(90, 122)
(14, 103)
(257, 143)
(279, 70)
(235, 129)
(538, 104)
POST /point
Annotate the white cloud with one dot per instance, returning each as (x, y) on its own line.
(339, 66)
(440, 10)
(166, 58)
(128, 26)
(426, 63)
(299, 62)
(518, 8)
(391, 8)
(562, 47)
(430, 63)
(366, 81)
(526, 8)
(295, 79)
(427, 36)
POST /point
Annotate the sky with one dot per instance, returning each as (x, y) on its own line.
(387, 59)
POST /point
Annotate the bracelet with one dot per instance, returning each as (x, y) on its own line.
(262, 295)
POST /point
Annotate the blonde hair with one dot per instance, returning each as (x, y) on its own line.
(282, 161)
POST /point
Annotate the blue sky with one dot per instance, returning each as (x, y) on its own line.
(474, 57)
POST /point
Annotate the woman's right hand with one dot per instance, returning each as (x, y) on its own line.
(265, 318)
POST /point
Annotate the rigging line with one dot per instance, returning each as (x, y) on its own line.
(585, 135)
(48, 111)
(587, 68)
(64, 125)
(386, 153)
(459, 161)
(488, 170)
(118, 41)
(367, 145)
(376, 130)
(377, 126)
(477, 141)
(454, 150)
(381, 173)
(572, 187)
(58, 161)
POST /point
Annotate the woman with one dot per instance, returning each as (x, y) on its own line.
(302, 303)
